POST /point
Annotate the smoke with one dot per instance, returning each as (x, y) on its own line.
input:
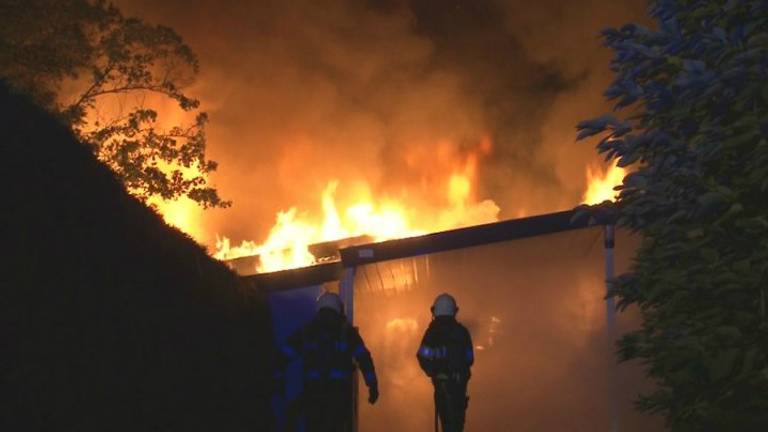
(303, 92)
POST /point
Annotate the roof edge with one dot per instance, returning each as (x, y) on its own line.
(477, 235)
(298, 277)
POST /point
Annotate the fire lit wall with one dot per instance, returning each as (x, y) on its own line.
(536, 312)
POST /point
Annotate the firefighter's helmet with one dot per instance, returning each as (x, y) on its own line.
(331, 301)
(444, 305)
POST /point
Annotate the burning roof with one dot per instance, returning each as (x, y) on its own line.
(353, 252)
(295, 243)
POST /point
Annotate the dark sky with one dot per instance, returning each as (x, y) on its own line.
(303, 91)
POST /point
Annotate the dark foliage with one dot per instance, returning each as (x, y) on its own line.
(109, 319)
(697, 137)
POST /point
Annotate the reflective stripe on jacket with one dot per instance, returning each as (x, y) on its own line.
(446, 348)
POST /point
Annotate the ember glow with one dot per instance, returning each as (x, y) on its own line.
(600, 184)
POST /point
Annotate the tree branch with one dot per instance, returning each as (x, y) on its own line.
(89, 93)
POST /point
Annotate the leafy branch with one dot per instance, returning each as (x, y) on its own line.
(53, 41)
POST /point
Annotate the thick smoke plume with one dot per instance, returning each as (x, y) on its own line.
(303, 92)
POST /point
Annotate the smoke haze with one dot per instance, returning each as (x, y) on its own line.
(388, 92)
(535, 309)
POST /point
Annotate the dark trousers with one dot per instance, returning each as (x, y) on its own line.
(451, 402)
(329, 410)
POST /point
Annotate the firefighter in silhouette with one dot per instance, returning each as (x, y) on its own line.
(446, 356)
(330, 349)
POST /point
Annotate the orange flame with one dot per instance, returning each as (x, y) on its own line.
(287, 245)
(600, 184)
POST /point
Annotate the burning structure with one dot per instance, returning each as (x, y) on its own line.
(405, 114)
(532, 293)
(393, 102)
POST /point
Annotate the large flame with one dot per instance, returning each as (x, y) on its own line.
(600, 185)
(287, 245)
(380, 218)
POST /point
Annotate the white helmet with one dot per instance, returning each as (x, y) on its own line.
(444, 305)
(331, 301)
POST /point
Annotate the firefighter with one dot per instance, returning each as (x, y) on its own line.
(330, 348)
(446, 356)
